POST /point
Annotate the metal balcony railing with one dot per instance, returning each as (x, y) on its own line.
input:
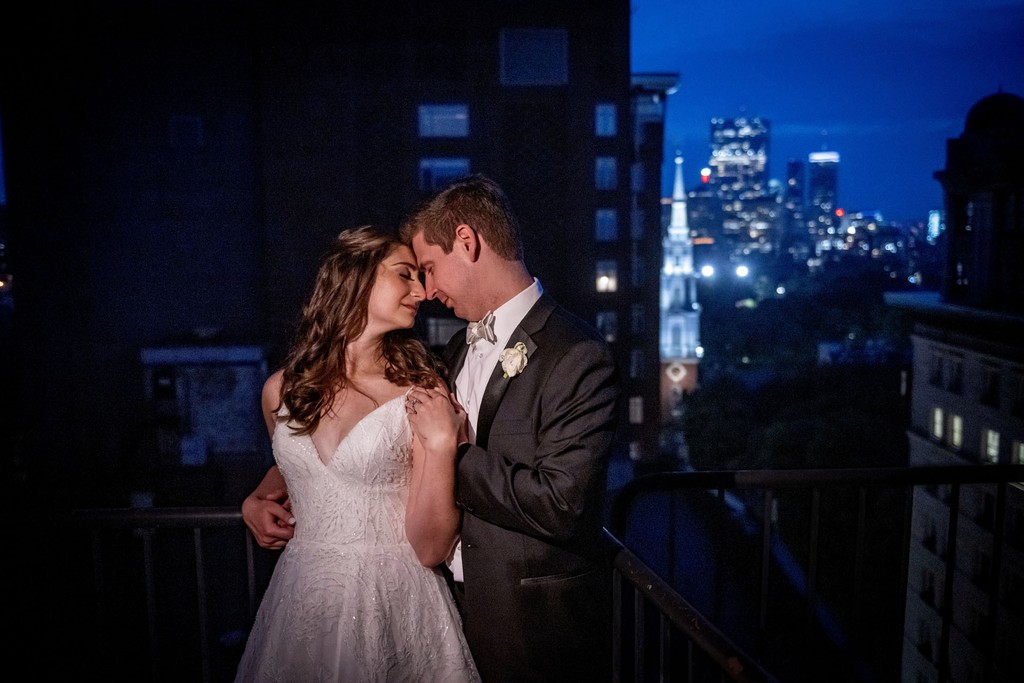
(807, 572)
(168, 594)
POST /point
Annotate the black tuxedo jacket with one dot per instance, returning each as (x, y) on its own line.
(536, 567)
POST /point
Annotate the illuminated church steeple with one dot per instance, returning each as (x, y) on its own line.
(680, 313)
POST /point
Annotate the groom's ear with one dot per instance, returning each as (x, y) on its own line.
(467, 241)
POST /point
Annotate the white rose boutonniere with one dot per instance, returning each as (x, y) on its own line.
(513, 360)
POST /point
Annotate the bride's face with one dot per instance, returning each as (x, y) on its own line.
(396, 293)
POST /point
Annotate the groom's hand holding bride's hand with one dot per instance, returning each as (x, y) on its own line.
(269, 518)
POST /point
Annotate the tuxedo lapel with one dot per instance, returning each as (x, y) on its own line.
(498, 384)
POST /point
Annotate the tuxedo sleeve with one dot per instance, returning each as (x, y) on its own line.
(544, 470)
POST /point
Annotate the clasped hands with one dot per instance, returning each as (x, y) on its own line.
(437, 419)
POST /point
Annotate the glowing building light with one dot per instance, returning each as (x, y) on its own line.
(707, 270)
(742, 271)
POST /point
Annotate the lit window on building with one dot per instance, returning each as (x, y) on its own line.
(608, 325)
(436, 173)
(938, 423)
(606, 225)
(636, 410)
(605, 173)
(990, 446)
(605, 120)
(443, 120)
(607, 276)
(956, 431)
(534, 56)
(1017, 453)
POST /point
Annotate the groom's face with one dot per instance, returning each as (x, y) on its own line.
(446, 277)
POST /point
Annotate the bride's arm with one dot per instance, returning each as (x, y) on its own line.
(431, 517)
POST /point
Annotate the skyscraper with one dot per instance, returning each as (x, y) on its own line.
(823, 198)
(748, 210)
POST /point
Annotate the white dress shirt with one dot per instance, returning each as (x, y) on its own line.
(482, 357)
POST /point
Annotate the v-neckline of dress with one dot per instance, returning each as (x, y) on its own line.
(327, 463)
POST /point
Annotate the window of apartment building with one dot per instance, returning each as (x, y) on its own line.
(608, 325)
(1017, 453)
(990, 446)
(443, 120)
(605, 173)
(636, 410)
(636, 363)
(956, 375)
(938, 423)
(635, 451)
(607, 276)
(956, 432)
(606, 225)
(636, 318)
(990, 390)
(534, 56)
(1016, 384)
(438, 172)
(935, 369)
(605, 120)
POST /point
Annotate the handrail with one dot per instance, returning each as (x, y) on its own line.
(729, 658)
(791, 478)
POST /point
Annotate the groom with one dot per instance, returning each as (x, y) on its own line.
(540, 389)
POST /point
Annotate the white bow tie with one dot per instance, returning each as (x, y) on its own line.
(483, 329)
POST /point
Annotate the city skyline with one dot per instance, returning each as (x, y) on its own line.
(884, 84)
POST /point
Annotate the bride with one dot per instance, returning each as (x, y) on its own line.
(356, 594)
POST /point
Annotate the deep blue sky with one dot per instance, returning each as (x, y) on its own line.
(883, 82)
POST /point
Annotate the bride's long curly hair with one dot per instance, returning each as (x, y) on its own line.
(335, 315)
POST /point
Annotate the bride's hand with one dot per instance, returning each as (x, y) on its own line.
(434, 420)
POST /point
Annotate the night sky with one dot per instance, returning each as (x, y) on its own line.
(883, 82)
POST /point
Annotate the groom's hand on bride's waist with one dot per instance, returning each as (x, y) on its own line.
(269, 519)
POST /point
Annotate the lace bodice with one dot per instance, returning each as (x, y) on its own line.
(359, 495)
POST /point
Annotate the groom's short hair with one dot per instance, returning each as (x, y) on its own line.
(477, 201)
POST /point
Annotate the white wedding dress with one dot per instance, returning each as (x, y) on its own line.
(348, 600)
